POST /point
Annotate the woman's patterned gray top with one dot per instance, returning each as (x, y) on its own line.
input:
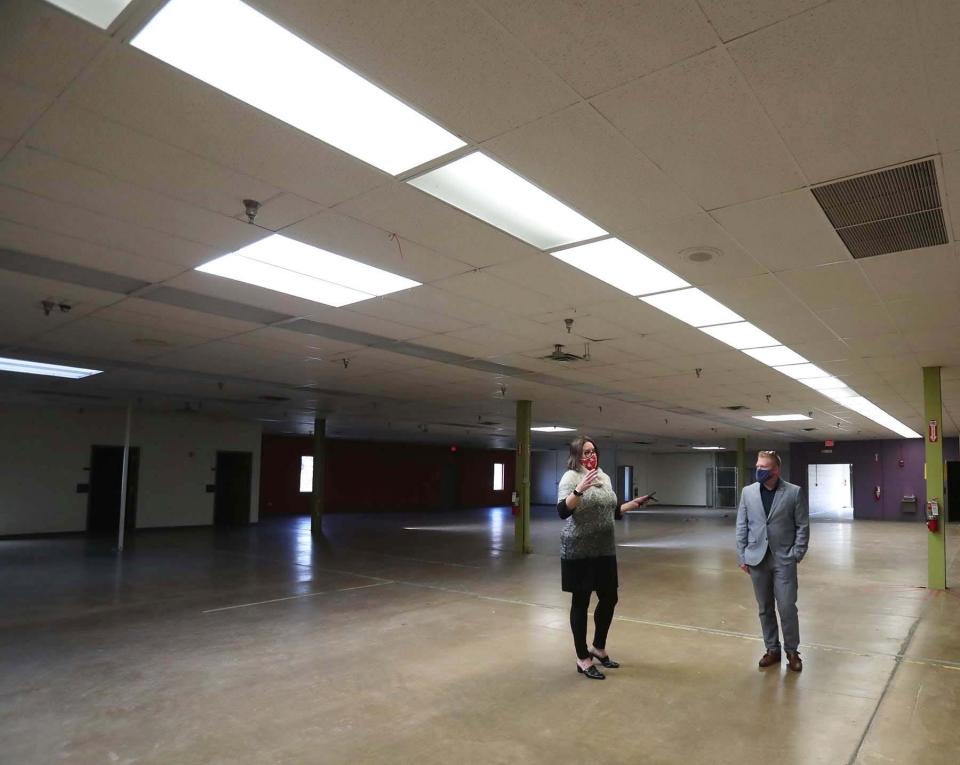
(588, 533)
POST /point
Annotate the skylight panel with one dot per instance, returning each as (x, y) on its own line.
(236, 49)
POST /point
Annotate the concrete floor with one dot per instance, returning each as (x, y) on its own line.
(422, 638)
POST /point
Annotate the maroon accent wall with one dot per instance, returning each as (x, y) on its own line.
(875, 463)
(365, 476)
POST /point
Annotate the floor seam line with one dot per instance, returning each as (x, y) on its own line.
(296, 597)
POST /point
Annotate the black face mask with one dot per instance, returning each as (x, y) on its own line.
(764, 475)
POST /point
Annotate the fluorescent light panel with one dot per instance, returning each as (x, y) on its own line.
(776, 356)
(871, 411)
(802, 371)
(781, 417)
(553, 429)
(238, 50)
(23, 366)
(709, 448)
(824, 383)
(620, 265)
(102, 13)
(692, 306)
(285, 265)
(741, 335)
(493, 193)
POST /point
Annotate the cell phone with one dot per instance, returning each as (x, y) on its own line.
(652, 496)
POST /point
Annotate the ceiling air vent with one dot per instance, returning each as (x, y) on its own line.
(889, 211)
(736, 407)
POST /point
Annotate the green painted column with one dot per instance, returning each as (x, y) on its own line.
(933, 468)
(522, 521)
(741, 466)
(319, 475)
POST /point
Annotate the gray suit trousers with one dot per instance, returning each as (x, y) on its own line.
(775, 586)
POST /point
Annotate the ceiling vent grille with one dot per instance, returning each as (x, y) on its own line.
(889, 211)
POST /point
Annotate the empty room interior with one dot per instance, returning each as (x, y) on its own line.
(479, 381)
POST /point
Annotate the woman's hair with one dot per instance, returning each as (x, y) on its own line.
(576, 449)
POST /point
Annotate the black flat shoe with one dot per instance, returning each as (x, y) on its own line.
(592, 672)
(606, 661)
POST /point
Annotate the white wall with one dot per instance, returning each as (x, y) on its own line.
(43, 453)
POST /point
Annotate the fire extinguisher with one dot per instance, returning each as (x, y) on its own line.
(933, 516)
(515, 502)
(876, 493)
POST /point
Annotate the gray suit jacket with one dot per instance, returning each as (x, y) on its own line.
(786, 532)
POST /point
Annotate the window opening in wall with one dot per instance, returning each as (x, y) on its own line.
(498, 476)
(306, 475)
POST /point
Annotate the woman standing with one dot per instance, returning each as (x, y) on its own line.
(588, 556)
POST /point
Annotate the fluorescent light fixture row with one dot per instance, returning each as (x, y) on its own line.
(285, 265)
(553, 429)
(693, 306)
(23, 366)
(621, 266)
(802, 371)
(709, 448)
(493, 193)
(236, 49)
(871, 411)
(776, 356)
(741, 335)
(102, 13)
(824, 383)
(781, 417)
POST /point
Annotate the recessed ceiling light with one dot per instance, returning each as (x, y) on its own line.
(99, 12)
(23, 366)
(238, 50)
(620, 265)
(692, 306)
(493, 193)
(741, 335)
(285, 265)
(553, 429)
(802, 371)
(709, 448)
(778, 355)
(781, 417)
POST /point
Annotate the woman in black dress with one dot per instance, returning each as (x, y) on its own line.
(588, 555)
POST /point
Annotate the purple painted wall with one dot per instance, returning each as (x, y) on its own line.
(875, 463)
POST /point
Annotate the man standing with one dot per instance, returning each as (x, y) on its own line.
(773, 528)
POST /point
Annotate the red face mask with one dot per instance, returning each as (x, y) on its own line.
(590, 463)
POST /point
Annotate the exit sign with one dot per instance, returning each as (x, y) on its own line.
(828, 444)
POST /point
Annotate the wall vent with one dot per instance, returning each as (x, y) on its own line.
(889, 211)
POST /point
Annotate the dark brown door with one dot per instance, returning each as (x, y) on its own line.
(103, 501)
(231, 502)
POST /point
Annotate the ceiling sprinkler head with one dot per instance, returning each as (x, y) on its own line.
(569, 323)
(251, 207)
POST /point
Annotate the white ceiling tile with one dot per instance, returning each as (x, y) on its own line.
(449, 60)
(824, 351)
(547, 275)
(939, 22)
(870, 346)
(699, 122)
(784, 232)
(600, 45)
(859, 320)
(931, 273)
(130, 87)
(435, 300)
(115, 340)
(419, 217)
(20, 106)
(951, 191)
(69, 249)
(919, 314)
(283, 210)
(735, 18)
(667, 243)
(408, 314)
(580, 158)
(149, 312)
(498, 293)
(33, 211)
(344, 317)
(791, 329)
(44, 48)
(835, 286)
(758, 298)
(371, 245)
(844, 85)
(67, 183)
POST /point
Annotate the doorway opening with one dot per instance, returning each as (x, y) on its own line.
(103, 501)
(831, 491)
(231, 499)
(953, 491)
(625, 483)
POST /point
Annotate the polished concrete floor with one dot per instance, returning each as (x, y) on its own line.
(424, 639)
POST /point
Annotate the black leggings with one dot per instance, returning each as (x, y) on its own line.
(602, 617)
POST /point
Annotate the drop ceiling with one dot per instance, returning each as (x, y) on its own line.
(675, 126)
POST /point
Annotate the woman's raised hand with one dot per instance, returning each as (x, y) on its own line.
(590, 479)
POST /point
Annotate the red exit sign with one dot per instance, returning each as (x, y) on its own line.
(828, 444)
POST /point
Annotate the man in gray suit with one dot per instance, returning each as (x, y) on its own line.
(773, 528)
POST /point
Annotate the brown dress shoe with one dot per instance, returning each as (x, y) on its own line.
(793, 661)
(769, 659)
